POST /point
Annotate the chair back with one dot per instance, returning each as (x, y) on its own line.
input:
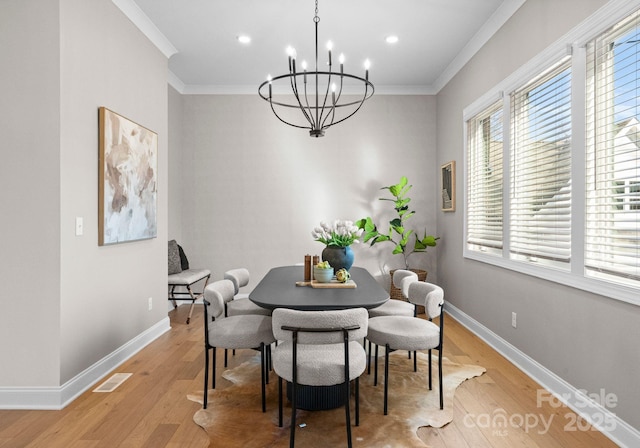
(216, 294)
(239, 277)
(355, 319)
(428, 295)
(402, 278)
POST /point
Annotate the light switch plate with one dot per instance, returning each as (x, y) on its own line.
(79, 226)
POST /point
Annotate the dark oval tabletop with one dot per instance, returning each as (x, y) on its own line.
(278, 290)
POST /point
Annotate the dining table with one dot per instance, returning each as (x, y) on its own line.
(284, 287)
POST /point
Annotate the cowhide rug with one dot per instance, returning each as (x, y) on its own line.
(234, 416)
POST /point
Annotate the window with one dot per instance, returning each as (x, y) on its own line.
(484, 194)
(612, 249)
(540, 200)
(552, 169)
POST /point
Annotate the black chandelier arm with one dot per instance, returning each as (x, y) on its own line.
(324, 102)
(284, 121)
(364, 98)
(294, 88)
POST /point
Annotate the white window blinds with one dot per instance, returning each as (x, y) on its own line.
(612, 246)
(540, 218)
(484, 180)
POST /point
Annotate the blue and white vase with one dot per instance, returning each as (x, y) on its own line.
(338, 257)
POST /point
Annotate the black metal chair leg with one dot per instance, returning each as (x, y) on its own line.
(358, 401)
(263, 379)
(369, 360)
(280, 402)
(375, 369)
(429, 369)
(294, 393)
(440, 376)
(415, 361)
(206, 377)
(347, 403)
(225, 358)
(213, 370)
(386, 377)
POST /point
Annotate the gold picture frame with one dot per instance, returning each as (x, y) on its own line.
(127, 180)
(448, 183)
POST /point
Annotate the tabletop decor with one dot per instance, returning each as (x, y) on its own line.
(323, 272)
(338, 239)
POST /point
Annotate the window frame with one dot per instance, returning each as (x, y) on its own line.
(573, 43)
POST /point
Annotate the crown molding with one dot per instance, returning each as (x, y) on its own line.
(495, 22)
(144, 24)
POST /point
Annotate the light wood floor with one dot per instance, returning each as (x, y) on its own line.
(151, 409)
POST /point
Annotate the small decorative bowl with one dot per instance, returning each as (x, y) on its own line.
(322, 275)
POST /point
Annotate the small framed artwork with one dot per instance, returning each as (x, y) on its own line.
(128, 177)
(448, 182)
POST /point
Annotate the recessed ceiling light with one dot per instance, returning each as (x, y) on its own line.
(244, 39)
(391, 39)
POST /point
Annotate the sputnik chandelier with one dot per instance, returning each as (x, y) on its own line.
(317, 95)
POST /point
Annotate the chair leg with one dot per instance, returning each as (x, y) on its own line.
(386, 376)
(213, 370)
(375, 369)
(280, 402)
(267, 362)
(206, 377)
(358, 401)
(225, 358)
(294, 393)
(369, 360)
(440, 376)
(193, 302)
(347, 405)
(429, 369)
(415, 361)
(263, 377)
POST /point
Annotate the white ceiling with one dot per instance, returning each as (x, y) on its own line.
(436, 38)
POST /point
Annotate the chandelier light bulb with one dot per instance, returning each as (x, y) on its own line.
(341, 58)
(367, 64)
(304, 65)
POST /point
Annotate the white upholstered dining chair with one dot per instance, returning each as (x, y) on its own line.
(411, 333)
(319, 348)
(233, 332)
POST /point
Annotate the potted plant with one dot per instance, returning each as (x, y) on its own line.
(338, 240)
(398, 234)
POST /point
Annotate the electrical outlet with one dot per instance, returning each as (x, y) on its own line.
(513, 320)
(150, 303)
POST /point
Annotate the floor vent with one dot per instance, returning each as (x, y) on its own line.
(112, 383)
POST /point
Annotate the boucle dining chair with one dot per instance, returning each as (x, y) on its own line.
(411, 333)
(233, 332)
(401, 279)
(393, 307)
(319, 348)
(241, 303)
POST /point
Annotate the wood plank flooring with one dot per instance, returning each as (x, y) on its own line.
(150, 409)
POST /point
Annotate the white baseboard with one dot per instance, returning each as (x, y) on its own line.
(592, 411)
(55, 398)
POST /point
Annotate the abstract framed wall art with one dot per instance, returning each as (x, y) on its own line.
(448, 182)
(128, 174)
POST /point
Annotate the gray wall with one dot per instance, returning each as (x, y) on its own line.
(588, 340)
(30, 199)
(253, 188)
(71, 302)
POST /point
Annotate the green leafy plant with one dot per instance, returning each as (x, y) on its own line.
(398, 234)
